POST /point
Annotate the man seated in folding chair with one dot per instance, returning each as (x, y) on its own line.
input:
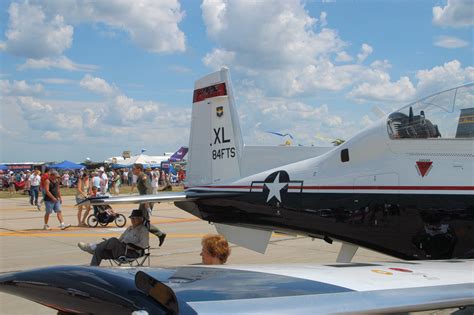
(125, 249)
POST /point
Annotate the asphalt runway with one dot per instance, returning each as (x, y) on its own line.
(25, 245)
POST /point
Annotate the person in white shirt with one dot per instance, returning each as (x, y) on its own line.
(154, 182)
(66, 179)
(104, 181)
(34, 180)
(96, 179)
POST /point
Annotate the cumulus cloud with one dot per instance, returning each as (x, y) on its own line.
(343, 56)
(152, 25)
(60, 62)
(365, 51)
(291, 52)
(377, 85)
(91, 119)
(42, 31)
(381, 65)
(98, 85)
(282, 34)
(37, 114)
(19, 88)
(443, 77)
(450, 42)
(31, 34)
(126, 111)
(456, 13)
(219, 58)
(401, 90)
(323, 19)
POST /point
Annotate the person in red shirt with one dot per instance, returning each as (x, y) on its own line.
(181, 176)
(44, 178)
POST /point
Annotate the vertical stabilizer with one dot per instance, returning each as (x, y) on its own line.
(215, 143)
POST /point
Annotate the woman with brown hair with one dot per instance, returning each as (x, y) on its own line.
(215, 249)
(83, 190)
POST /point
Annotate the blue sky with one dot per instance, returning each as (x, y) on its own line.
(81, 79)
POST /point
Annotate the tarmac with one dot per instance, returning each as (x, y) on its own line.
(25, 245)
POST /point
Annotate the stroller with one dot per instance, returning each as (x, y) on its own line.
(103, 216)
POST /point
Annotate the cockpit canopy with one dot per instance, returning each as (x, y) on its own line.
(447, 115)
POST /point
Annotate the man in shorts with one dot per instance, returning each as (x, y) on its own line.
(44, 177)
(53, 201)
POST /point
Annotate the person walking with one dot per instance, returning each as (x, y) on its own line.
(134, 181)
(154, 181)
(53, 200)
(35, 181)
(144, 188)
(27, 187)
(83, 190)
(104, 181)
(11, 183)
(115, 182)
(44, 177)
(96, 178)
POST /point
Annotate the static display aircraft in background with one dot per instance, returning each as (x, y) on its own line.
(403, 186)
(149, 160)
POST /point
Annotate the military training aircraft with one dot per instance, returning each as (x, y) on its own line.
(403, 186)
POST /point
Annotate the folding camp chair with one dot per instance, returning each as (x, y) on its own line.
(132, 261)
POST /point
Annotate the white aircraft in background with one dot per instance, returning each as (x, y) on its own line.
(403, 186)
(154, 160)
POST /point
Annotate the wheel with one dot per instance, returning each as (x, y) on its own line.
(120, 220)
(92, 221)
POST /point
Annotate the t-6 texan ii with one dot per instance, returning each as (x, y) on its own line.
(403, 186)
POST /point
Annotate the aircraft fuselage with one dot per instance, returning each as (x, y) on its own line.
(412, 199)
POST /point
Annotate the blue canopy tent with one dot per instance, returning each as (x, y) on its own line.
(67, 165)
(3, 167)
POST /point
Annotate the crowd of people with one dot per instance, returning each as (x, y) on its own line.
(20, 180)
(45, 189)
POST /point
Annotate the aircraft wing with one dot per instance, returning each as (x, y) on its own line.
(354, 288)
(161, 197)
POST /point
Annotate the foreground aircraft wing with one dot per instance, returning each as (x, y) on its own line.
(355, 288)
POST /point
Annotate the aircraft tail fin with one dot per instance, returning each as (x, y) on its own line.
(215, 142)
(179, 155)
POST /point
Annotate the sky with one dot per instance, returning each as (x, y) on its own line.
(90, 79)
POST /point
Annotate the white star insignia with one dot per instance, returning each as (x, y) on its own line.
(275, 188)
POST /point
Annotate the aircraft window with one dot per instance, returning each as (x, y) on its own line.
(447, 115)
(345, 155)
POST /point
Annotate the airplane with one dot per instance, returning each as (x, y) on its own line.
(354, 288)
(403, 186)
(153, 160)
